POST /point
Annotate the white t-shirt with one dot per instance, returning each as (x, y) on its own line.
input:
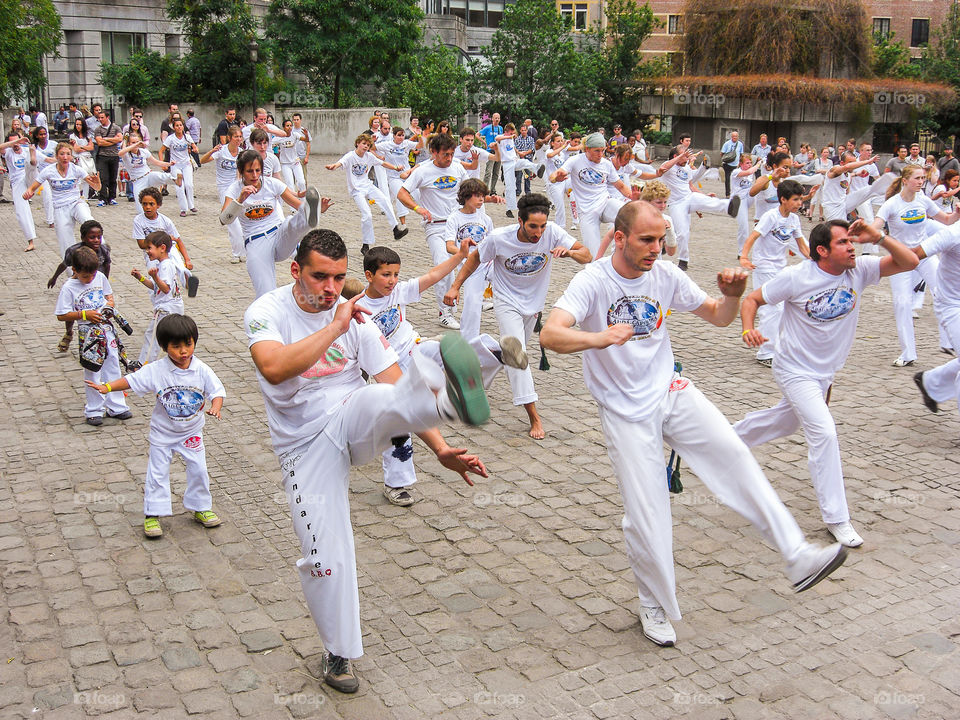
(778, 234)
(589, 182)
(389, 314)
(171, 302)
(907, 221)
(946, 244)
(508, 151)
(47, 152)
(521, 270)
(462, 156)
(640, 151)
(75, 296)
(288, 147)
(677, 178)
(835, 188)
(143, 226)
(396, 154)
(271, 166)
(226, 165)
(65, 188)
(860, 178)
(632, 379)
(247, 129)
(944, 202)
(554, 163)
(181, 395)
(179, 148)
(83, 142)
(260, 210)
(16, 164)
(357, 169)
(473, 226)
(136, 163)
(820, 314)
(438, 187)
(299, 408)
(740, 185)
(40, 120)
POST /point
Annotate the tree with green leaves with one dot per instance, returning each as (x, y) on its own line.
(147, 78)
(342, 43)
(941, 62)
(29, 31)
(433, 84)
(891, 58)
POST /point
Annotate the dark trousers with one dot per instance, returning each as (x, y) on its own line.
(519, 174)
(108, 167)
(727, 172)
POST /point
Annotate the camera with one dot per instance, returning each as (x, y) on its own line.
(109, 312)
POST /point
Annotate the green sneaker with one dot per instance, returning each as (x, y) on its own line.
(151, 527)
(464, 381)
(207, 518)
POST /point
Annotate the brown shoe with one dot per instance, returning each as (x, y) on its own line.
(338, 674)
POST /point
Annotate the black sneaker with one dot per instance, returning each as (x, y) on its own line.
(193, 284)
(399, 232)
(338, 674)
(125, 415)
(733, 207)
(364, 249)
(540, 171)
(509, 213)
(96, 421)
(682, 264)
(931, 404)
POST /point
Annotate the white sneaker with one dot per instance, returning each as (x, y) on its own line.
(235, 260)
(900, 362)
(813, 563)
(449, 322)
(916, 314)
(845, 534)
(488, 305)
(656, 626)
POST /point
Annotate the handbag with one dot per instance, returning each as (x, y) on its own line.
(93, 345)
(728, 157)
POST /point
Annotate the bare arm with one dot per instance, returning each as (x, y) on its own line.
(560, 335)
(721, 312)
(439, 272)
(469, 267)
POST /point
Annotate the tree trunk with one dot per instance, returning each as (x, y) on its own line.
(336, 91)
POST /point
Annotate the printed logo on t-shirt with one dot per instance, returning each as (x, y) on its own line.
(831, 304)
(137, 160)
(193, 443)
(526, 263)
(445, 182)
(682, 174)
(181, 402)
(20, 162)
(642, 312)
(63, 185)
(258, 325)
(228, 164)
(360, 170)
(844, 184)
(912, 216)
(388, 320)
(258, 212)
(591, 176)
(90, 299)
(471, 231)
(331, 363)
(782, 233)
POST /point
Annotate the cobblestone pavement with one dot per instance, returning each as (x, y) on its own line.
(512, 599)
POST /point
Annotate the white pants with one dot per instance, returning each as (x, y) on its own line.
(510, 180)
(473, 289)
(768, 316)
(234, 233)
(292, 174)
(398, 468)
(64, 219)
(943, 383)
(48, 209)
(113, 402)
(680, 215)
(834, 211)
(316, 478)
(366, 217)
(804, 404)
(151, 350)
(380, 177)
(743, 223)
(21, 208)
(590, 233)
(436, 241)
(555, 191)
(278, 244)
(701, 435)
(185, 191)
(156, 486)
(519, 325)
(395, 183)
(152, 179)
(902, 285)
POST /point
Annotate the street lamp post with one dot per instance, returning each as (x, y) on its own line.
(254, 49)
(509, 67)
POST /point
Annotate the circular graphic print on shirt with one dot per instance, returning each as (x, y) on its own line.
(181, 402)
(91, 299)
(526, 263)
(831, 304)
(644, 313)
(258, 212)
(473, 231)
(388, 320)
(445, 182)
(359, 170)
(591, 176)
(783, 234)
(912, 216)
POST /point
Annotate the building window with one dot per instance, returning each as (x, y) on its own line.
(881, 27)
(675, 24)
(117, 47)
(920, 32)
(575, 14)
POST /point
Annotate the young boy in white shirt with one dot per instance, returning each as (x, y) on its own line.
(183, 385)
(164, 287)
(470, 222)
(151, 219)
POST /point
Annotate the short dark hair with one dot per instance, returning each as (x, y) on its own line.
(788, 189)
(532, 203)
(326, 242)
(249, 156)
(259, 135)
(467, 131)
(174, 328)
(158, 238)
(151, 192)
(469, 188)
(87, 226)
(439, 143)
(85, 260)
(379, 255)
(778, 157)
(821, 236)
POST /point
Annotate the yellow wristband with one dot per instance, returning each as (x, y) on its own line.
(83, 314)
(143, 280)
(745, 332)
(107, 386)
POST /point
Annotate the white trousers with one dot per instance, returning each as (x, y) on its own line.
(234, 233)
(510, 181)
(395, 183)
(690, 424)
(112, 402)
(768, 316)
(804, 404)
(185, 191)
(156, 486)
(398, 468)
(21, 208)
(292, 174)
(902, 285)
(316, 478)
(152, 179)
(64, 219)
(366, 217)
(743, 225)
(680, 215)
(264, 252)
(590, 232)
(555, 191)
(942, 383)
(436, 241)
(519, 325)
(47, 197)
(473, 289)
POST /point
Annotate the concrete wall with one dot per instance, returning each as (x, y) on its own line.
(333, 131)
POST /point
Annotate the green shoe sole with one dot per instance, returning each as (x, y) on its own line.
(464, 381)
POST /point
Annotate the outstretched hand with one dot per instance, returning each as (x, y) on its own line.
(732, 281)
(460, 462)
(754, 338)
